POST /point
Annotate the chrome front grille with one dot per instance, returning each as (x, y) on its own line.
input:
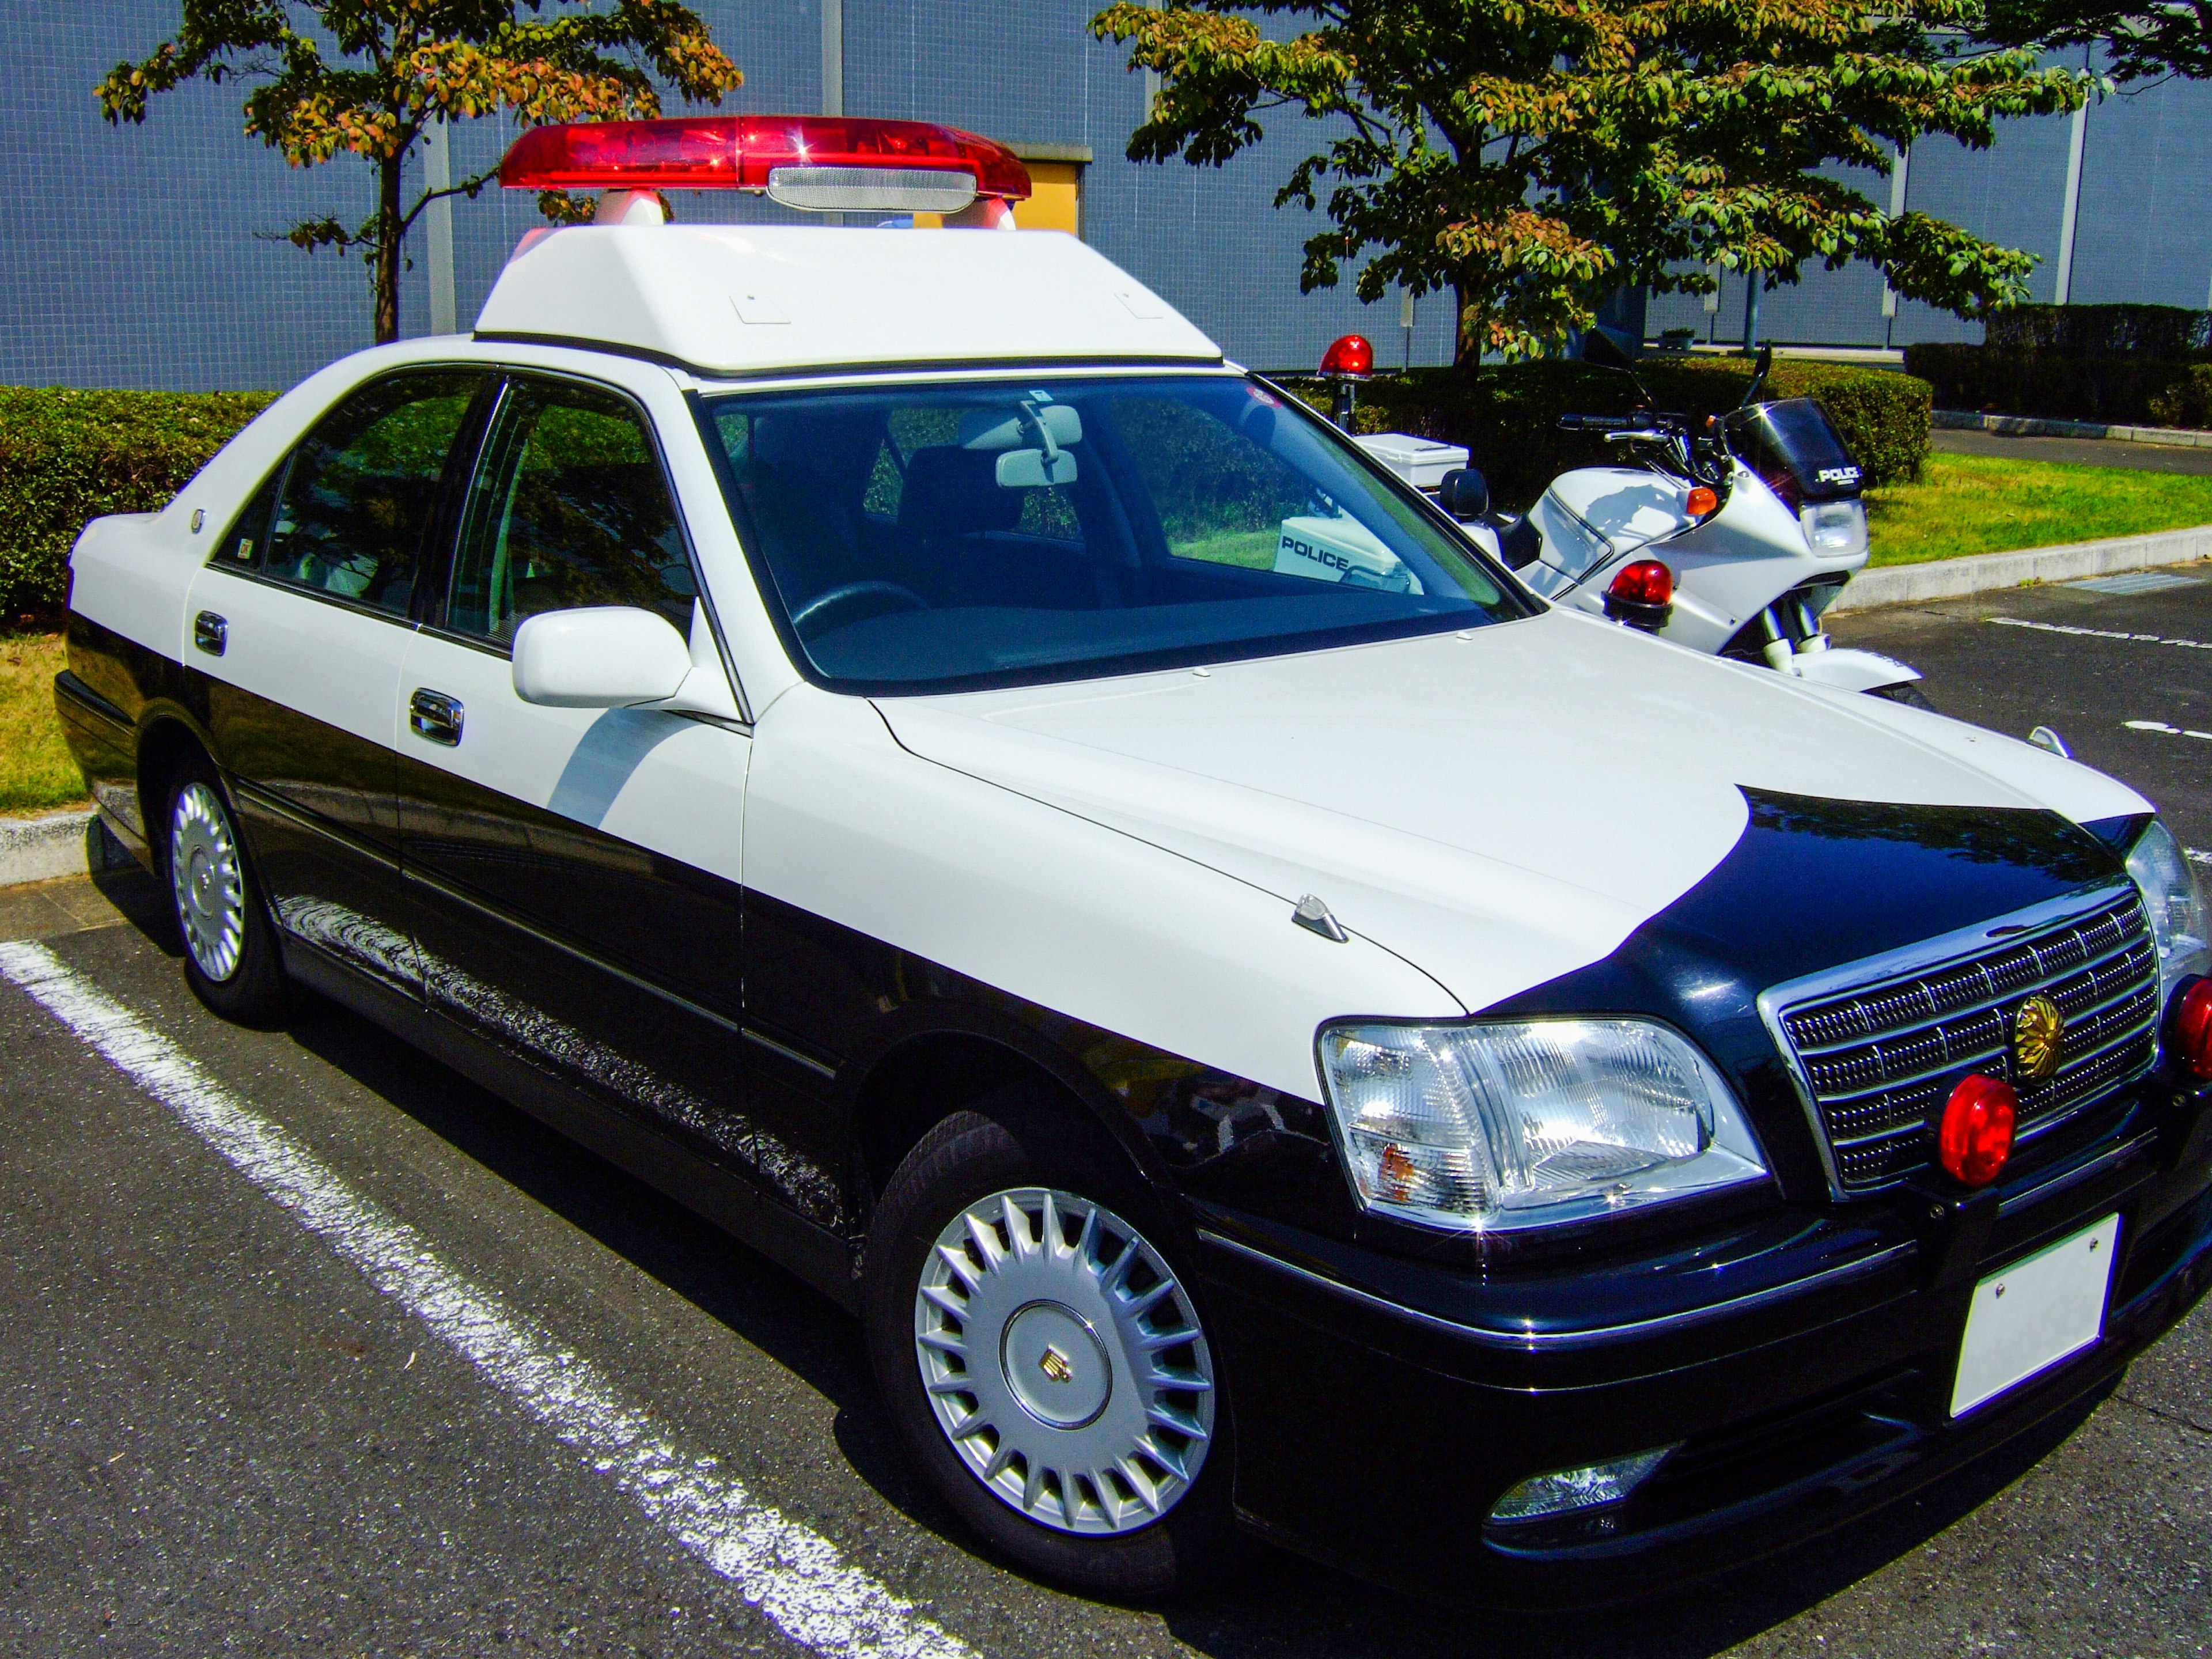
(1880, 1058)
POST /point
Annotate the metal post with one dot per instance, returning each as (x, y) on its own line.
(833, 56)
(1152, 75)
(2063, 290)
(1755, 281)
(1897, 189)
(1406, 321)
(438, 227)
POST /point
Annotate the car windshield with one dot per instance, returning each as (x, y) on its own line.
(963, 533)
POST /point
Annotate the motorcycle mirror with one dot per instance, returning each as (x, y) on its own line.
(1765, 363)
(1464, 493)
(1602, 346)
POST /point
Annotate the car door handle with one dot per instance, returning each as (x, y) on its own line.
(210, 632)
(435, 716)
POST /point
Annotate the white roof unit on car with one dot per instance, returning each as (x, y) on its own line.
(734, 301)
(748, 300)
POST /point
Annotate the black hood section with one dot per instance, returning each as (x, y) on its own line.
(1812, 883)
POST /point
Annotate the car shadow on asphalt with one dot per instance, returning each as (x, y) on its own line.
(1283, 1605)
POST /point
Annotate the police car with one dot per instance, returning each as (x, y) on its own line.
(885, 734)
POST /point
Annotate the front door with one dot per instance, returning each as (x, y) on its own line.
(301, 620)
(573, 873)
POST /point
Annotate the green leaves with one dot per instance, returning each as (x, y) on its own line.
(1531, 155)
(398, 65)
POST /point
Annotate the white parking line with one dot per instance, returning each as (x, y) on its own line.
(794, 1575)
(2099, 633)
(2162, 727)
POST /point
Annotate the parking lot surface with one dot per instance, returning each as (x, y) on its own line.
(2085, 451)
(310, 1347)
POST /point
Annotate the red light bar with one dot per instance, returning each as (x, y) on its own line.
(807, 160)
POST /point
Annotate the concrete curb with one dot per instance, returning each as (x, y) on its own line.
(2025, 426)
(1951, 579)
(56, 844)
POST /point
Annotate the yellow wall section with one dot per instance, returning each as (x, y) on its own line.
(1055, 198)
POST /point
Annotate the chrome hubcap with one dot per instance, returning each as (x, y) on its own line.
(1063, 1361)
(210, 889)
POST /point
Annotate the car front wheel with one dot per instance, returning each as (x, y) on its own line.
(231, 957)
(1045, 1361)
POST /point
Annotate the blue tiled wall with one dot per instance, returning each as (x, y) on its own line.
(141, 256)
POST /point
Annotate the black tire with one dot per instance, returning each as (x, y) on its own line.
(1907, 692)
(242, 977)
(1017, 1140)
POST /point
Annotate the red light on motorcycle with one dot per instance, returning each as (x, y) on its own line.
(1702, 502)
(2193, 1028)
(1349, 355)
(1645, 582)
(745, 152)
(1975, 1138)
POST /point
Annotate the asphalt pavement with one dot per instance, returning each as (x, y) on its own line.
(229, 1424)
(2124, 677)
(2085, 451)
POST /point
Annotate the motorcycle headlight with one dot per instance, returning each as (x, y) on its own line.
(2174, 905)
(1835, 528)
(1495, 1125)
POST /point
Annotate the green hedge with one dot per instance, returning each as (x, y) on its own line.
(67, 456)
(2117, 391)
(1508, 416)
(2157, 332)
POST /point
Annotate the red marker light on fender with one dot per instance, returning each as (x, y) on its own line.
(2193, 1028)
(1975, 1138)
(1350, 354)
(1703, 502)
(1647, 581)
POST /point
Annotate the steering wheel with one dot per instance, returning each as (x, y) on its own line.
(845, 595)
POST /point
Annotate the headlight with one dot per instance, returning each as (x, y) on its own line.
(1835, 528)
(1495, 1125)
(2175, 907)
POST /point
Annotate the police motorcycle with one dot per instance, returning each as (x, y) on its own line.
(1730, 535)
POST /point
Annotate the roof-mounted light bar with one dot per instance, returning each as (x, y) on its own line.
(823, 164)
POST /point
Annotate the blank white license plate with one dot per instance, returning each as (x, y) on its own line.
(2034, 1313)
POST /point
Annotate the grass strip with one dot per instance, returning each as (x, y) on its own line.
(1967, 504)
(36, 771)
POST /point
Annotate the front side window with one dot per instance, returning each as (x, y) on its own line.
(568, 508)
(927, 536)
(355, 502)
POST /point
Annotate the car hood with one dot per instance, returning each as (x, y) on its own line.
(1498, 806)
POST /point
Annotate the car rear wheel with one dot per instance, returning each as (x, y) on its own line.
(1044, 1360)
(231, 957)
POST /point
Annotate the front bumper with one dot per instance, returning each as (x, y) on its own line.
(1805, 1370)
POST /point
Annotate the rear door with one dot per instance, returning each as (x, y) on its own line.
(573, 873)
(299, 621)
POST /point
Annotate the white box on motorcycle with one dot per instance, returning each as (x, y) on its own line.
(1421, 462)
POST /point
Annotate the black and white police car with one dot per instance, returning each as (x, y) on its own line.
(885, 734)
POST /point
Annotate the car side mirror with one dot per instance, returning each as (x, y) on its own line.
(1464, 493)
(604, 657)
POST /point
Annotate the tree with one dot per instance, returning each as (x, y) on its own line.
(2141, 42)
(1532, 156)
(394, 66)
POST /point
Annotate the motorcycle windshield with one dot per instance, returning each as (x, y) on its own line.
(1795, 449)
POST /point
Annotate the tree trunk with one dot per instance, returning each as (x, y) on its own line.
(386, 262)
(1473, 328)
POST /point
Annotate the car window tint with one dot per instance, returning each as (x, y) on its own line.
(247, 546)
(358, 495)
(1221, 498)
(568, 509)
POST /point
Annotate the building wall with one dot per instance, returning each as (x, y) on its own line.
(145, 256)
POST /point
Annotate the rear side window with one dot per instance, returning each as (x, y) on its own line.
(355, 500)
(568, 508)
